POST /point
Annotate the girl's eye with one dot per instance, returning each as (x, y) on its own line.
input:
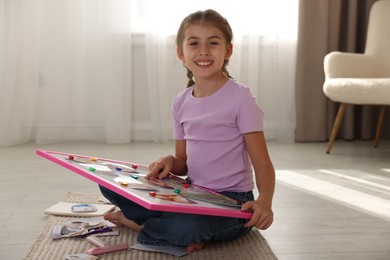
(214, 43)
(193, 43)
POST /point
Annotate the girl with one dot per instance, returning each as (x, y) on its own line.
(219, 137)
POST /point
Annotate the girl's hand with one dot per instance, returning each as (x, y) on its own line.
(262, 214)
(160, 168)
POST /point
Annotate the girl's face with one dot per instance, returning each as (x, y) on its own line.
(204, 51)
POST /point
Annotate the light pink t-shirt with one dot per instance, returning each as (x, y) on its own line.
(213, 128)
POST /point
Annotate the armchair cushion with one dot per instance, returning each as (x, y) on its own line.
(360, 91)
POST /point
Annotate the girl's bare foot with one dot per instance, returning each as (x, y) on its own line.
(195, 247)
(119, 219)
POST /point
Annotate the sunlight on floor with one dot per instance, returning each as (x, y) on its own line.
(372, 204)
(359, 180)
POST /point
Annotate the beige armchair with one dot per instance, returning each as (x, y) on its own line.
(362, 79)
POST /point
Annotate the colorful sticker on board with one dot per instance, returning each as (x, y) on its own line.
(120, 167)
(174, 198)
(82, 159)
(133, 183)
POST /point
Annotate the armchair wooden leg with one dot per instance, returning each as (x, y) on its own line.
(379, 126)
(336, 125)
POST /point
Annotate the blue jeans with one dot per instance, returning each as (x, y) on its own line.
(179, 229)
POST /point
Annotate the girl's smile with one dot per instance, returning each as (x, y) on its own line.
(204, 63)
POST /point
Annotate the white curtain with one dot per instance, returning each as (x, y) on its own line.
(107, 71)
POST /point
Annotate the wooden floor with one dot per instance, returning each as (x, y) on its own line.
(334, 206)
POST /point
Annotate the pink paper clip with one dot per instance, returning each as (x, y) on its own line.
(107, 249)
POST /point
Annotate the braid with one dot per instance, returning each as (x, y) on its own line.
(226, 72)
(190, 80)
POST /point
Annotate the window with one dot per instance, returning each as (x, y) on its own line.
(250, 17)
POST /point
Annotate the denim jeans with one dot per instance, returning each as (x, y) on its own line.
(180, 229)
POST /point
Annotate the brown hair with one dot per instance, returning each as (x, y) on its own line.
(208, 16)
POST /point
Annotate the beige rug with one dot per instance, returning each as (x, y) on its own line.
(252, 246)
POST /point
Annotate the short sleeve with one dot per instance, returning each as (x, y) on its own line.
(178, 130)
(250, 116)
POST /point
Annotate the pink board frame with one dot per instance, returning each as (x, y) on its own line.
(141, 198)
